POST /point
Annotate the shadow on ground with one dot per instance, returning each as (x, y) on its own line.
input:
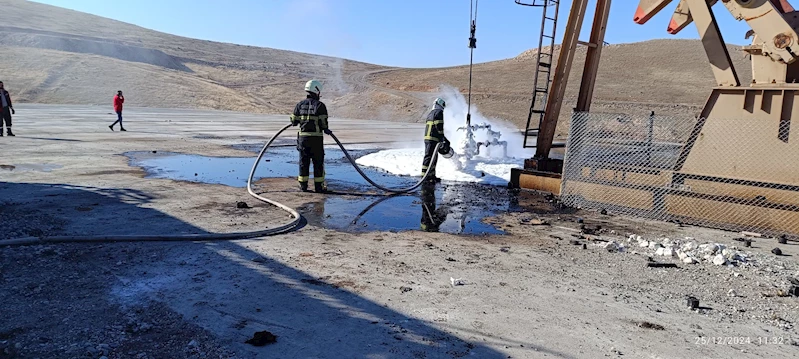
(180, 299)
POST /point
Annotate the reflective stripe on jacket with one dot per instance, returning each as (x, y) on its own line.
(434, 129)
(311, 115)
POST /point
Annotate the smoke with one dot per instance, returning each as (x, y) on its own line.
(336, 84)
(455, 117)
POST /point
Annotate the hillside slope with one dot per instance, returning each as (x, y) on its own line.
(55, 55)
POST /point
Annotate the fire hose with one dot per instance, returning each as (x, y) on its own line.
(282, 229)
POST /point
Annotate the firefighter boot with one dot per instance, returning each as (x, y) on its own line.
(304, 186)
(9, 133)
(320, 187)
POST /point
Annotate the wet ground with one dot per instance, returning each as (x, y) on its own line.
(281, 162)
(449, 207)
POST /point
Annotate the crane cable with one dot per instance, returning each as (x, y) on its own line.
(472, 46)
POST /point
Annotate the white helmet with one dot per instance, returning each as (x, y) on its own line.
(313, 86)
(440, 101)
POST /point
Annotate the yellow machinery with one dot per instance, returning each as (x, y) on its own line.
(738, 165)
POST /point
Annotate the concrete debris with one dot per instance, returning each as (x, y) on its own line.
(613, 246)
(242, 205)
(405, 289)
(689, 246)
(457, 282)
(719, 260)
(708, 248)
(732, 293)
(777, 251)
(690, 260)
(665, 251)
(688, 251)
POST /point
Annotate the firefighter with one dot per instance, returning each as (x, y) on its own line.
(433, 135)
(311, 115)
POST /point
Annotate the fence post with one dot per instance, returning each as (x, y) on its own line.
(650, 138)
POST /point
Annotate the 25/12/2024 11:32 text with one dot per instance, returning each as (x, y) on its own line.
(741, 340)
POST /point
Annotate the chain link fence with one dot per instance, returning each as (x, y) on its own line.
(695, 171)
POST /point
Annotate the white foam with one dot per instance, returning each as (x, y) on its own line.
(408, 162)
(488, 168)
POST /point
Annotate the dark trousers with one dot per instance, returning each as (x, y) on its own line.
(119, 119)
(431, 217)
(311, 148)
(6, 114)
(429, 151)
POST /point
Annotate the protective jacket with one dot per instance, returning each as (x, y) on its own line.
(435, 124)
(311, 115)
(8, 98)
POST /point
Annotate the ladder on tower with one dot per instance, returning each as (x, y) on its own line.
(544, 60)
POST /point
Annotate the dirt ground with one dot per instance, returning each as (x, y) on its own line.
(542, 289)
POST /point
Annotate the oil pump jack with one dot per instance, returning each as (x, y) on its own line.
(757, 117)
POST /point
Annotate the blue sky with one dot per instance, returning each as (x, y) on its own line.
(407, 33)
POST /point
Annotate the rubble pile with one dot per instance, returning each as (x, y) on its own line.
(686, 250)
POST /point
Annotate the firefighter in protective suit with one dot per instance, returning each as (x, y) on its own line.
(311, 116)
(433, 135)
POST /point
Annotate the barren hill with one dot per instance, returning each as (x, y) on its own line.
(54, 55)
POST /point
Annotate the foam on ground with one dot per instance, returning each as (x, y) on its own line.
(408, 162)
(489, 168)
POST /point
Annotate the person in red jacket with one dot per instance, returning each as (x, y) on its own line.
(118, 101)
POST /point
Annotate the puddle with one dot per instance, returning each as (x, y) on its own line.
(31, 167)
(280, 162)
(456, 209)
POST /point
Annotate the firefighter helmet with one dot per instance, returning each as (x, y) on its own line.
(440, 101)
(313, 86)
